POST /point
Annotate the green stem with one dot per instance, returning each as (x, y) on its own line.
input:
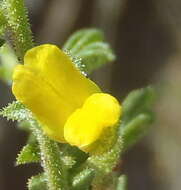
(16, 16)
(54, 168)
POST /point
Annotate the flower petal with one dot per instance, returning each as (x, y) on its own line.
(51, 87)
(86, 125)
(57, 68)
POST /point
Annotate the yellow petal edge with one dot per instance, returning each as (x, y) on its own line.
(86, 124)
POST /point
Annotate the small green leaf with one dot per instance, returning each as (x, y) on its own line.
(89, 46)
(29, 154)
(138, 101)
(122, 183)
(37, 182)
(8, 62)
(16, 111)
(81, 38)
(137, 115)
(95, 55)
(136, 129)
(82, 181)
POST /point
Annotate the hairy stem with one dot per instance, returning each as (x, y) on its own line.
(54, 168)
(16, 15)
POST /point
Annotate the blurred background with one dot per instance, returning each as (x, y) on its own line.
(146, 37)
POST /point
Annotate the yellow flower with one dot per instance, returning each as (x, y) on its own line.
(70, 107)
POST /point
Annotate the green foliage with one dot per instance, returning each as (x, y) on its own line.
(16, 15)
(104, 163)
(30, 153)
(2, 22)
(82, 180)
(89, 45)
(138, 101)
(136, 129)
(37, 182)
(59, 161)
(122, 183)
(16, 112)
(8, 62)
(54, 167)
(137, 115)
(81, 38)
(73, 153)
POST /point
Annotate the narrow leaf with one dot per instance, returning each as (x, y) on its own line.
(37, 182)
(138, 101)
(16, 111)
(136, 129)
(95, 55)
(82, 181)
(81, 38)
(89, 48)
(30, 153)
(137, 115)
